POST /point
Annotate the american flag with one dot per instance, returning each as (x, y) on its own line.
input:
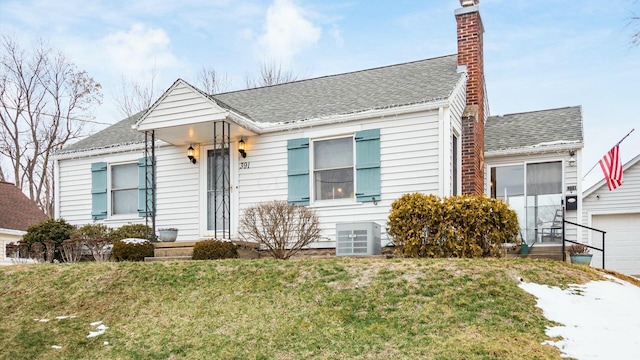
(612, 168)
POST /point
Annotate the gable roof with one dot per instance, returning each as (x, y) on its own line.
(535, 129)
(397, 85)
(603, 182)
(390, 86)
(18, 211)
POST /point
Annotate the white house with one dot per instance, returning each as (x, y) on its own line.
(618, 213)
(346, 145)
(532, 162)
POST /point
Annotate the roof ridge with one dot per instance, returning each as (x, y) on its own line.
(537, 111)
(335, 75)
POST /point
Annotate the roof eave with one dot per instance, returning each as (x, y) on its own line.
(536, 149)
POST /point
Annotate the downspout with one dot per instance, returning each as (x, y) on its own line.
(56, 189)
(441, 153)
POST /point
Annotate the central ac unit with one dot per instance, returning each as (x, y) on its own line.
(357, 239)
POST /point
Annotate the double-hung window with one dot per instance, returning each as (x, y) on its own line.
(121, 189)
(333, 169)
(343, 167)
(124, 189)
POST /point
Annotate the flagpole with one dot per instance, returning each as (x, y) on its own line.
(597, 162)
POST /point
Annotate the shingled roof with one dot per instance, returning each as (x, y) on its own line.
(379, 88)
(384, 87)
(18, 211)
(534, 129)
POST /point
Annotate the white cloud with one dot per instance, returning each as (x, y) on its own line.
(336, 33)
(287, 31)
(139, 49)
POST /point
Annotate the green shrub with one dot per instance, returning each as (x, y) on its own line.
(131, 250)
(214, 249)
(54, 230)
(458, 226)
(137, 231)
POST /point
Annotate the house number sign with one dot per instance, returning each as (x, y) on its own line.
(245, 165)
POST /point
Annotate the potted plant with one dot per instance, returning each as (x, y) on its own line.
(167, 234)
(579, 254)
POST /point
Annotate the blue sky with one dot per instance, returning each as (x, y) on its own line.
(538, 54)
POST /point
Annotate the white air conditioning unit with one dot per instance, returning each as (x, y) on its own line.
(357, 239)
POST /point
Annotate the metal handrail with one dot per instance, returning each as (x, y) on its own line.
(564, 239)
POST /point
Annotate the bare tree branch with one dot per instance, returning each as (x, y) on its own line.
(44, 100)
(137, 96)
(271, 73)
(211, 82)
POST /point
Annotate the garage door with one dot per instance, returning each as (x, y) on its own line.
(622, 242)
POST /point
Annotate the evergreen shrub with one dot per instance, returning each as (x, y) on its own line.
(458, 226)
(214, 249)
(131, 249)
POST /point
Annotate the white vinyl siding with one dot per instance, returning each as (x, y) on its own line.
(408, 163)
(624, 199)
(177, 190)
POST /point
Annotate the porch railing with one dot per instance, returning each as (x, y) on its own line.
(564, 239)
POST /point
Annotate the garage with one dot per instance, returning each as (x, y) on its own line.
(622, 242)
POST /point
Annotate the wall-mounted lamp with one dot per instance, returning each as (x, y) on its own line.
(191, 154)
(242, 146)
(572, 159)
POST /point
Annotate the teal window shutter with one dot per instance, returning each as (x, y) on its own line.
(99, 190)
(368, 165)
(298, 171)
(143, 172)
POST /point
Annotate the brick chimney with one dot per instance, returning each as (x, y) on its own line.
(470, 54)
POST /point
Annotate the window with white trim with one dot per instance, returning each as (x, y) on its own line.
(333, 168)
(124, 189)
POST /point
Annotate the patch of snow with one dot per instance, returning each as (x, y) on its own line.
(105, 343)
(94, 334)
(600, 319)
(557, 142)
(100, 327)
(62, 317)
(42, 320)
(57, 347)
(134, 241)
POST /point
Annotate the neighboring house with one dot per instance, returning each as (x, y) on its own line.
(346, 145)
(618, 213)
(532, 162)
(17, 213)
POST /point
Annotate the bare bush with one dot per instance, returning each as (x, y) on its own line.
(283, 229)
(12, 250)
(50, 250)
(71, 250)
(37, 252)
(100, 248)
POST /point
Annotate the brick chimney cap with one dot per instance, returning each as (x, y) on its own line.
(465, 3)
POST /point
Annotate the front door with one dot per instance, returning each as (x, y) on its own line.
(219, 197)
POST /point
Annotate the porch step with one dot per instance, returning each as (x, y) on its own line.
(541, 252)
(167, 258)
(172, 249)
(183, 250)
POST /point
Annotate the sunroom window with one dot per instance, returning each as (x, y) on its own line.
(534, 191)
(333, 168)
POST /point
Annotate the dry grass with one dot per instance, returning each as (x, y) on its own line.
(337, 308)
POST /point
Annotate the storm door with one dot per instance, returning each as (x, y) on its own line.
(218, 192)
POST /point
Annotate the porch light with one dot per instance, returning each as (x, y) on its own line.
(572, 159)
(242, 147)
(191, 154)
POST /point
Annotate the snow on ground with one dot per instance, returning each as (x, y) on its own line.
(600, 319)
